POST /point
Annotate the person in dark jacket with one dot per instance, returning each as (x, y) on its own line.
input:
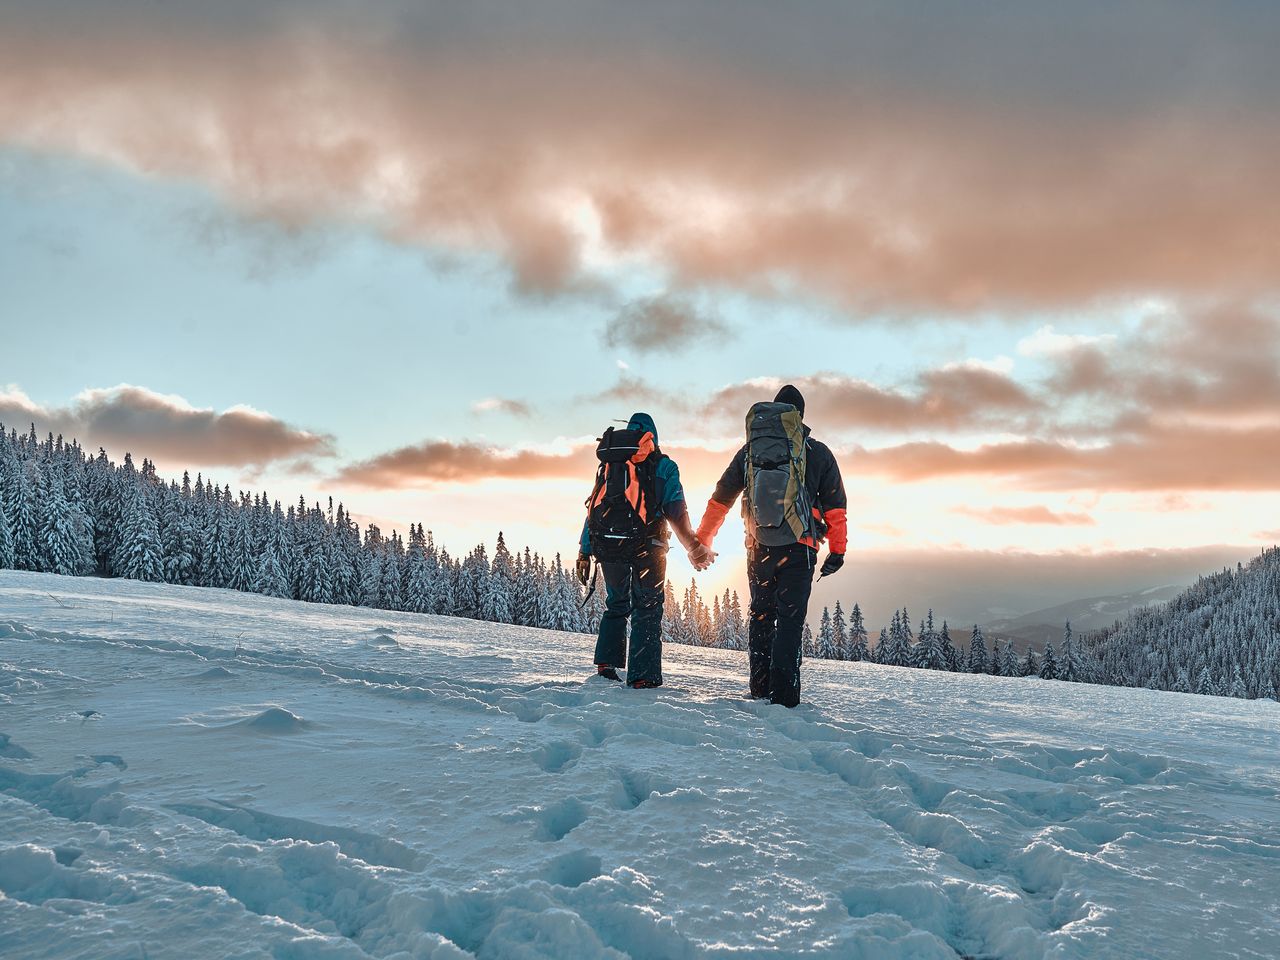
(636, 590)
(781, 577)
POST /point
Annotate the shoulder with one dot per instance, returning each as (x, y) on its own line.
(820, 452)
(667, 467)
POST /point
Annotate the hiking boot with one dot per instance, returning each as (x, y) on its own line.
(643, 684)
(608, 672)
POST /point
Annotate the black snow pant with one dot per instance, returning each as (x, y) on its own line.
(781, 580)
(634, 590)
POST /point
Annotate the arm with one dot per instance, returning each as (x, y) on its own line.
(732, 482)
(674, 507)
(834, 504)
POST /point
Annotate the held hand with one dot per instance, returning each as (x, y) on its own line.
(701, 556)
(833, 563)
(583, 568)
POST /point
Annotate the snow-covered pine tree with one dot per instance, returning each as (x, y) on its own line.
(1030, 666)
(977, 661)
(950, 655)
(1049, 663)
(498, 587)
(1009, 665)
(928, 652)
(140, 555)
(1069, 666)
(6, 536)
(839, 634)
(857, 635)
(826, 641)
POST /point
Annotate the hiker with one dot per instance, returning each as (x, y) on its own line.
(794, 498)
(636, 496)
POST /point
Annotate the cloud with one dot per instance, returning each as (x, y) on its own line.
(167, 427)
(515, 408)
(1038, 514)
(890, 159)
(442, 461)
(1048, 342)
(942, 399)
(1157, 459)
(662, 323)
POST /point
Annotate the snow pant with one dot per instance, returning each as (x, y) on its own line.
(781, 580)
(634, 590)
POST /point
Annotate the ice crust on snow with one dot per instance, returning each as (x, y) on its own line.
(370, 784)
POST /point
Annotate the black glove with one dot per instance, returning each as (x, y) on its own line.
(583, 568)
(833, 563)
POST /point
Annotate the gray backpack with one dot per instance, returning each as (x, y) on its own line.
(776, 505)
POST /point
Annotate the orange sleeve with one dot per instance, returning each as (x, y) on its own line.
(837, 530)
(712, 519)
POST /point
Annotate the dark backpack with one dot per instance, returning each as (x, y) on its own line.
(623, 511)
(777, 506)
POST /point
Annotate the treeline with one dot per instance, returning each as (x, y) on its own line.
(931, 648)
(64, 512)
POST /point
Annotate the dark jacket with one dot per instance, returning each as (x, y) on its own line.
(822, 480)
(671, 502)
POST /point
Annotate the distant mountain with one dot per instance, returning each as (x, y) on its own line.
(1085, 615)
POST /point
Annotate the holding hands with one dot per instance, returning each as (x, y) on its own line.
(701, 556)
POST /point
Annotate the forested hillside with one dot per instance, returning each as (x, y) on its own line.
(62, 511)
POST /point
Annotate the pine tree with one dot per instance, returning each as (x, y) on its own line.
(1237, 689)
(1069, 667)
(950, 655)
(1009, 666)
(977, 652)
(857, 635)
(1049, 663)
(6, 538)
(1030, 667)
(839, 634)
(825, 645)
(140, 557)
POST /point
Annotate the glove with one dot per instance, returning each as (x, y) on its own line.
(583, 568)
(833, 563)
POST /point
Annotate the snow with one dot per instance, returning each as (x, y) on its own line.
(194, 772)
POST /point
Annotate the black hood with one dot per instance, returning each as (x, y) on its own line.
(791, 395)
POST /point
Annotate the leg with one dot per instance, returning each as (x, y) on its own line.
(611, 642)
(764, 619)
(648, 582)
(794, 579)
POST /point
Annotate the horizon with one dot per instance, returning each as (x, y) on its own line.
(416, 260)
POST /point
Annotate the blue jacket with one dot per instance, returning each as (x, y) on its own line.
(671, 503)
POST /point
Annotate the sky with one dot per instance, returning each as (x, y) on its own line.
(1022, 260)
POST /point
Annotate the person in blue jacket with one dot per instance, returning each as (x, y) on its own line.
(636, 590)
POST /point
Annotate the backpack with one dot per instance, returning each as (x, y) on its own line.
(777, 506)
(623, 509)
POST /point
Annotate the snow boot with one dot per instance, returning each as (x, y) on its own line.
(642, 684)
(608, 672)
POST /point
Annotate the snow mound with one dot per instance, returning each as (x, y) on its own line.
(274, 720)
(12, 750)
(215, 673)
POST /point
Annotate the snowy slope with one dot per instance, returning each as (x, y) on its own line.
(198, 773)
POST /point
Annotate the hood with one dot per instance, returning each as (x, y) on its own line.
(642, 422)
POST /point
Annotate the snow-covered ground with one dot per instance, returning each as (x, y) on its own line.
(198, 773)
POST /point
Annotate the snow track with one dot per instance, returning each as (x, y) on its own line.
(195, 772)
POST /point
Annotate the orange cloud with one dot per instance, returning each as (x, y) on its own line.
(166, 427)
(943, 399)
(857, 156)
(1038, 514)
